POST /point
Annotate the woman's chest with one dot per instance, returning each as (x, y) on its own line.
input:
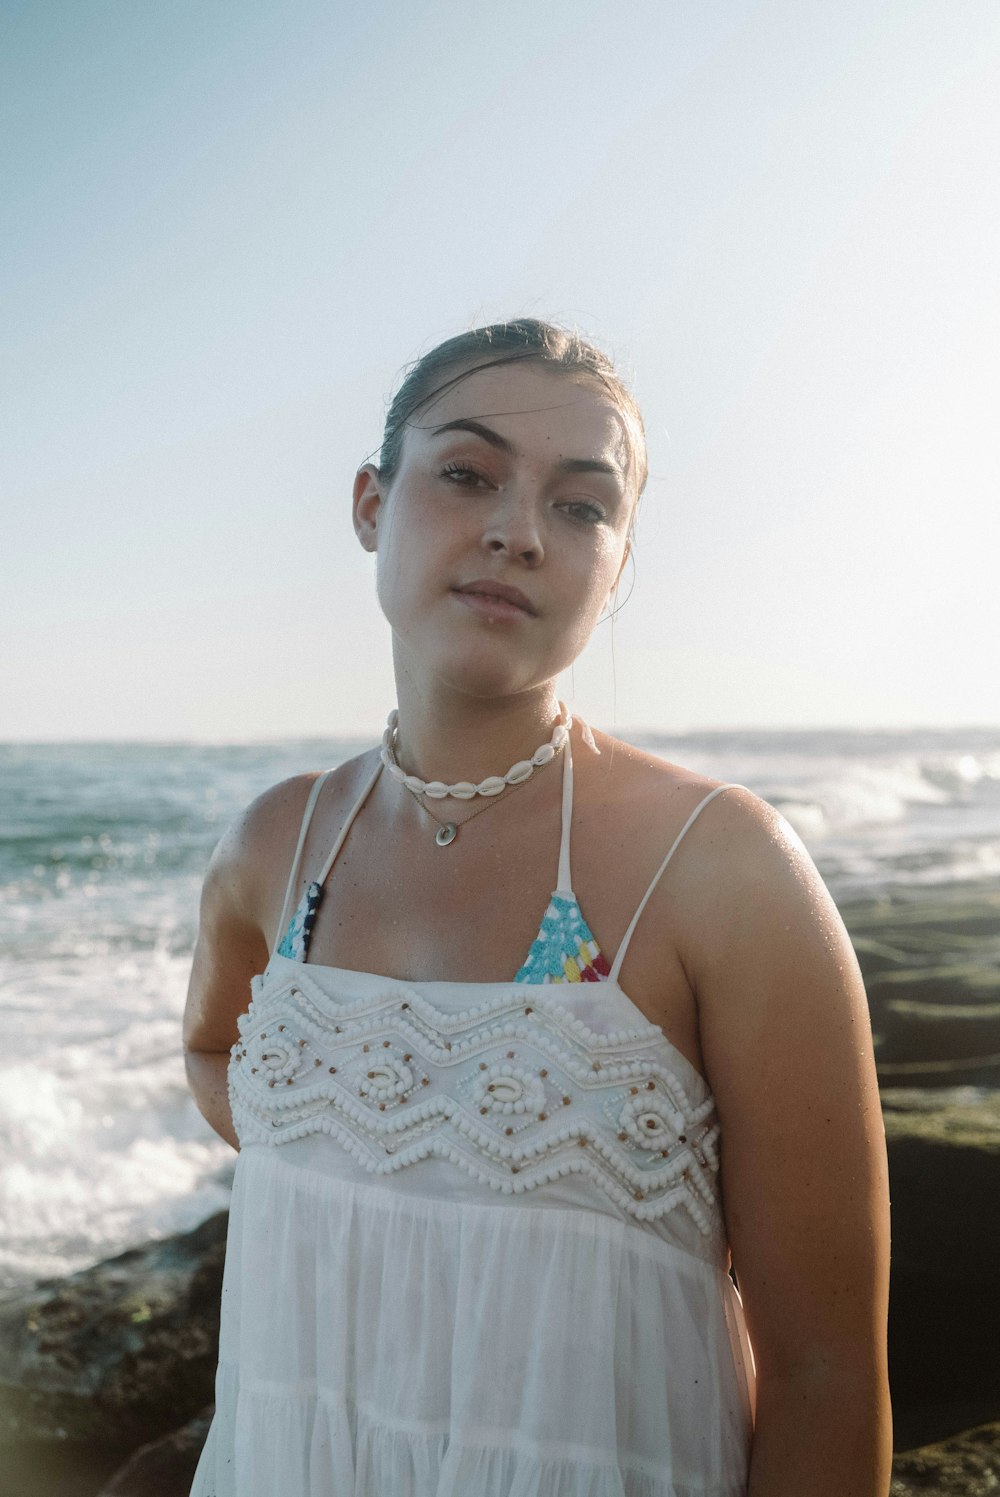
(427, 915)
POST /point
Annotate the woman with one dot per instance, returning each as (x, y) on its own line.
(493, 1173)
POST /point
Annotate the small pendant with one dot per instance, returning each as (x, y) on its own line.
(446, 834)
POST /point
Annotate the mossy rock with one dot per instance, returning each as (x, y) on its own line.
(944, 1314)
(128, 1346)
(967, 1465)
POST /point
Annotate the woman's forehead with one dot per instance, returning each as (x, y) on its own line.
(526, 401)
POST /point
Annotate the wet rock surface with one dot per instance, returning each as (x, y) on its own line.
(164, 1468)
(931, 964)
(944, 1312)
(968, 1465)
(121, 1352)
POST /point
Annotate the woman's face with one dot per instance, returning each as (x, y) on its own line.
(515, 475)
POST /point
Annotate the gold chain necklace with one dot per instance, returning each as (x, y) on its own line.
(448, 830)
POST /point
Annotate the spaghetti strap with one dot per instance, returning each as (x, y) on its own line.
(348, 823)
(293, 940)
(616, 968)
(564, 881)
(318, 784)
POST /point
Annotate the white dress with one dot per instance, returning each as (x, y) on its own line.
(476, 1246)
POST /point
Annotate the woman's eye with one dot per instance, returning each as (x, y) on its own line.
(591, 513)
(461, 475)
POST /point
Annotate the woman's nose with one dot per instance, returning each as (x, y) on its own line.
(514, 527)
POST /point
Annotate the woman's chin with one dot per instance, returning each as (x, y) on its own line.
(486, 667)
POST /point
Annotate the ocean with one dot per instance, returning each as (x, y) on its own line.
(102, 851)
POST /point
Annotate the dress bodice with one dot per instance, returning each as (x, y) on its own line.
(512, 1088)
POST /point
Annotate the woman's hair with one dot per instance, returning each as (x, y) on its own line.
(527, 339)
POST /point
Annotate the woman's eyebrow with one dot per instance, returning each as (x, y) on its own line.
(565, 464)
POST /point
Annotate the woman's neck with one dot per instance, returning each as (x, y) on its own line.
(450, 736)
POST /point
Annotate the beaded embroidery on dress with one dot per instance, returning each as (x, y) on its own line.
(654, 1139)
(476, 1243)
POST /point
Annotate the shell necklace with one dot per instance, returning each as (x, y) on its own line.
(492, 787)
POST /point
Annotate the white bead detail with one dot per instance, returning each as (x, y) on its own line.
(543, 1054)
(465, 789)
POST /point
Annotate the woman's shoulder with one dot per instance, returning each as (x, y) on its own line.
(737, 846)
(278, 811)
(739, 862)
(661, 792)
(261, 840)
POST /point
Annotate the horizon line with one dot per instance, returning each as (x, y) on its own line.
(360, 737)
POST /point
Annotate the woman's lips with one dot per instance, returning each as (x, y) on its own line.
(489, 606)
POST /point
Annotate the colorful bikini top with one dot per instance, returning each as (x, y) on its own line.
(564, 950)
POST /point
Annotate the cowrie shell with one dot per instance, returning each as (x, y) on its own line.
(519, 772)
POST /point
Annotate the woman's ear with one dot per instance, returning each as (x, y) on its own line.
(367, 503)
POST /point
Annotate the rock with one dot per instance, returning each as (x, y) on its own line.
(931, 964)
(123, 1351)
(166, 1467)
(64, 1468)
(968, 1465)
(936, 918)
(944, 1312)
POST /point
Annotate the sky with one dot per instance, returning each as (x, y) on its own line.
(228, 227)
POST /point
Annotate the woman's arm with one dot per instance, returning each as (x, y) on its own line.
(241, 895)
(786, 1037)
